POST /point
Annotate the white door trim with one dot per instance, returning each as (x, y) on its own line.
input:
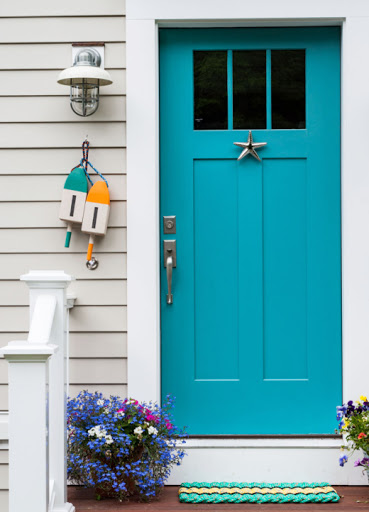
(143, 19)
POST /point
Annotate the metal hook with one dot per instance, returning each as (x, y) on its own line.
(92, 264)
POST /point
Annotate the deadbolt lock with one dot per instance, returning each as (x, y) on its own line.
(169, 224)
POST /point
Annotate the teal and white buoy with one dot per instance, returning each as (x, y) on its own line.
(73, 200)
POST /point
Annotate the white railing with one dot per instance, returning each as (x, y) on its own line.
(37, 400)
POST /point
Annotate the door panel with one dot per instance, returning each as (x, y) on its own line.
(252, 341)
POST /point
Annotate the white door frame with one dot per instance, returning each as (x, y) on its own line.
(144, 17)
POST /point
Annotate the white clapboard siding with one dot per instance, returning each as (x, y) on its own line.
(61, 134)
(50, 30)
(4, 402)
(89, 293)
(6, 337)
(54, 56)
(46, 215)
(97, 371)
(52, 240)
(3, 375)
(84, 344)
(97, 319)
(60, 161)
(4, 501)
(65, 8)
(82, 319)
(50, 109)
(4, 477)
(111, 266)
(44, 83)
(49, 188)
(97, 344)
(107, 390)
(4, 456)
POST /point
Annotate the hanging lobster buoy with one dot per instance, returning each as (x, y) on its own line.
(96, 214)
(73, 200)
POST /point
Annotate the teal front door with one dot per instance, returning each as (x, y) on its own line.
(251, 344)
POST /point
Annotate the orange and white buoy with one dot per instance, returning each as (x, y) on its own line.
(96, 214)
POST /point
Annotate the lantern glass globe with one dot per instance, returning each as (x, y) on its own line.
(84, 98)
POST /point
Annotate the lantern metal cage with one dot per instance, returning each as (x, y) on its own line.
(85, 78)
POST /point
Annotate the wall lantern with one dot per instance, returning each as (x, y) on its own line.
(84, 78)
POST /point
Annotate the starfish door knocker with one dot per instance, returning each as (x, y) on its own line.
(249, 147)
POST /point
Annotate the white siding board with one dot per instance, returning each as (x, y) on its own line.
(59, 161)
(111, 266)
(52, 240)
(107, 390)
(4, 456)
(65, 8)
(50, 109)
(97, 344)
(88, 293)
(54, 56)
(97, 318)
(46, 215)
(72, 30)
(3, 376)
(44, 83)
(83, 344)
(82, 319)
(41, 188)
(6, 337)
(4, 501)
(61, 134)
(13, 319)
(101, 293)
(4, 402)
(4, 477)
(97, 371)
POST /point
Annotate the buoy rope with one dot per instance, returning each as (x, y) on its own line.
(84, 163)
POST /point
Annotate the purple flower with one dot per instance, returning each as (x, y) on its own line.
(343, 460)
(363, 462)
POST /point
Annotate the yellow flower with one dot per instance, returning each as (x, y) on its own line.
(346, 423)
(363, 398)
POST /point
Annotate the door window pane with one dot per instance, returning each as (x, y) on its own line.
(249, 89)
(288, 89)
(210, 88)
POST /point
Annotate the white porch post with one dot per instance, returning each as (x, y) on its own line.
(37, 392)
(55, 283)
(28, 470)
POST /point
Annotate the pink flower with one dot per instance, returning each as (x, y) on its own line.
(168, 425)
(150, 417)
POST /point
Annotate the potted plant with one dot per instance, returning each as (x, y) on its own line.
(122, 448)
(353, 420)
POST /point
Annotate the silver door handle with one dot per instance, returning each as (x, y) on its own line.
(169, 279)
(170, 262)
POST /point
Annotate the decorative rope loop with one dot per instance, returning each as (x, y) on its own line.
(84, 163)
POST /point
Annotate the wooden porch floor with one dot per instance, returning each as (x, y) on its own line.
(352, 498)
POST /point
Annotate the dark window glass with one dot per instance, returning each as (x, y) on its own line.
(288, 89)
(210, 84)
(249, 89)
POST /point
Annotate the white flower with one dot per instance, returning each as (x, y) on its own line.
(152, 431)
(138, 431)
(97, 431)
(106, 411)
(100, 402)
(108, 439)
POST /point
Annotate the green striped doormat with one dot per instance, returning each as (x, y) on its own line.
(255, 492)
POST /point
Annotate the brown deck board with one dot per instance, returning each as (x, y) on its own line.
(353, 498)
